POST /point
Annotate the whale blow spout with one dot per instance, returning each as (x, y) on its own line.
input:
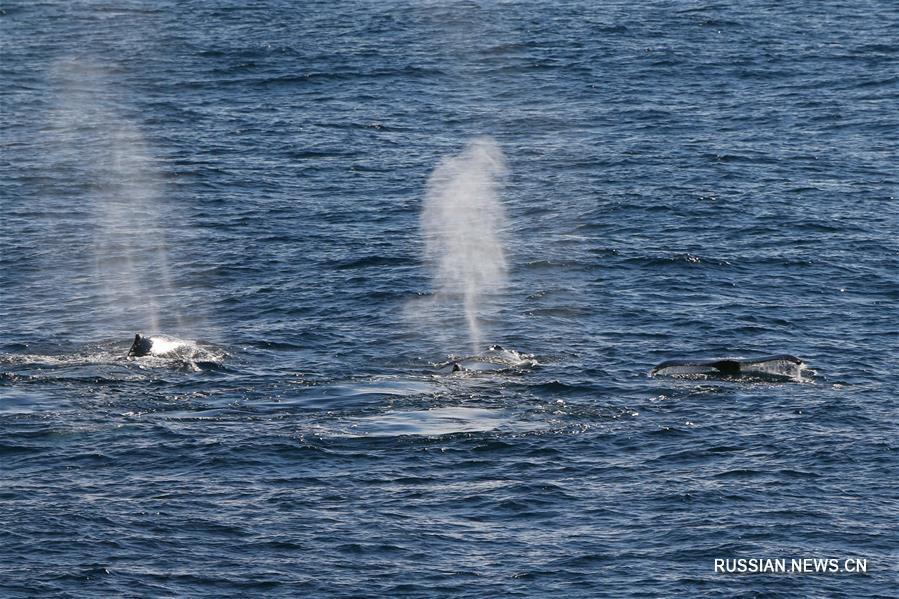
(462, 221)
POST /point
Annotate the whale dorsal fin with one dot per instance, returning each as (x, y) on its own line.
(140, 347)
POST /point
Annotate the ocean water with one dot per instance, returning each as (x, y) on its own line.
(682, 180)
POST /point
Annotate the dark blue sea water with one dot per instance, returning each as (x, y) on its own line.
(685, 180)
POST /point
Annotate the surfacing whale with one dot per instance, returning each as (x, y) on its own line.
(170, 352)
(141, 346)
(495, 359)
(144, 345)
(779, 367)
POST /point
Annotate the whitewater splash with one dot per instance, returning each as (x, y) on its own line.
(461, 222)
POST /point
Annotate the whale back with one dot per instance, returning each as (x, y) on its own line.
(141, 346)
(777, 366)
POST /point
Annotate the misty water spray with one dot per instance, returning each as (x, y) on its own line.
(462, 222)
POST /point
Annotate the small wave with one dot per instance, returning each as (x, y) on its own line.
(607, 28)
(675, 259)
(553, 264)
(278, 345)
(371, 261)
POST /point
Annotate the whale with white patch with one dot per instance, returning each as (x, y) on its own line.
(158, 345)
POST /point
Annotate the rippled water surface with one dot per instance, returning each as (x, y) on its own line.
(685, 180)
